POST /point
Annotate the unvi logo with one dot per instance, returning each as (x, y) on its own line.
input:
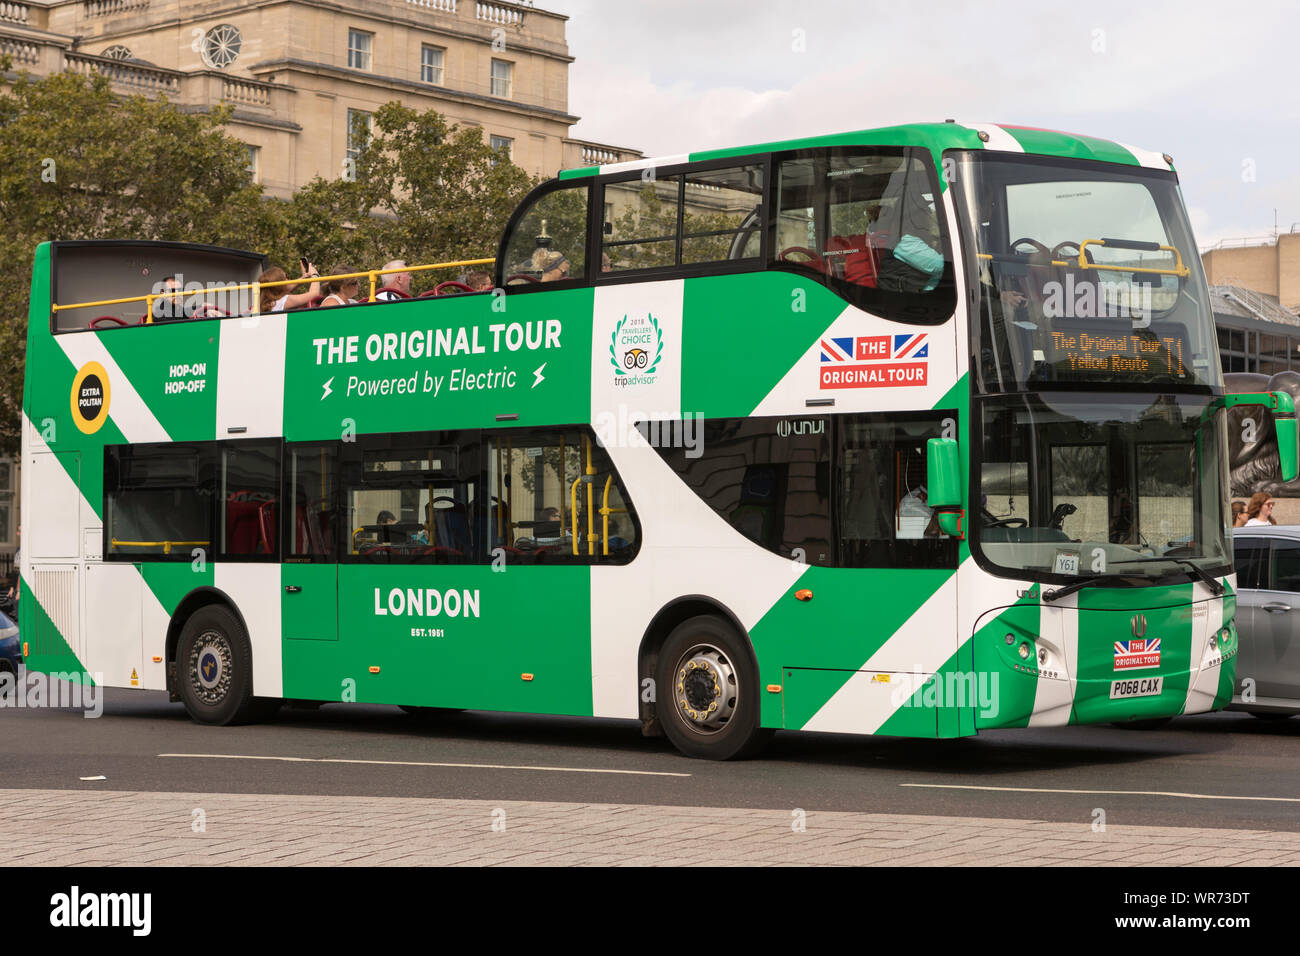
(635, 349)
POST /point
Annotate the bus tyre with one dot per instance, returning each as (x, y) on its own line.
(215, 665)
(415, 711)
(709, 704)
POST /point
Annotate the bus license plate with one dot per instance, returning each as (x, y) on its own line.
(1136, 687)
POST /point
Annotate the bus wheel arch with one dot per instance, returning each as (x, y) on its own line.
(211, 603)
(723, 630)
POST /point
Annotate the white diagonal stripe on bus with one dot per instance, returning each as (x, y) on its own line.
(1103, 793)
(1147, 157)
(422, 763)
(127, 409)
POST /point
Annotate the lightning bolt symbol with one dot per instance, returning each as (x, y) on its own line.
(538, 377)
(328, 389)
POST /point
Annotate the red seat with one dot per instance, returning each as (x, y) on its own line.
(852, 258)
(394, 290)
(109, 321)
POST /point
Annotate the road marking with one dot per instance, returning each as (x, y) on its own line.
(1108, 793)
(419, 763)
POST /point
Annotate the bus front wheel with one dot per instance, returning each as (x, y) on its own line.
(215, 665)
(708, 700)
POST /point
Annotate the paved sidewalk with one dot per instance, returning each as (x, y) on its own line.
(77, 827)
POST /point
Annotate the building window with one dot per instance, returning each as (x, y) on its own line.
(254, 162)
(360, 124)
(502, 78)
(359, 49)
(221, 46)
(431, 65)
(502, 145)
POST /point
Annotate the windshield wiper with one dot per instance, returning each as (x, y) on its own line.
(1215, 587)
(1057, 593)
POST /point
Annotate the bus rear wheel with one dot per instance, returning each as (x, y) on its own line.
(708, 700)
(214, 663)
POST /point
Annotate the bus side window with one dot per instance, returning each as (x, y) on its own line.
(248, 475)
(556, 499)
(547, 240)
(768, 478)
(158, 501)
(884, 520)
(312, 506)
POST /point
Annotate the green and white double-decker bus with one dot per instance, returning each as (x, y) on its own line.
(911, 431)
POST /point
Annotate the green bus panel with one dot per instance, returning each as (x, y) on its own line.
(452, 636)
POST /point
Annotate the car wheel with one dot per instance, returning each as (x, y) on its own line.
(214, 662)
(709, 704)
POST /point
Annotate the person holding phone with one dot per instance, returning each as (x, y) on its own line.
(278, 298)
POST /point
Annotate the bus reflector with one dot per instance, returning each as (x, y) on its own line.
(774, 688)
(525, 676)
(374, 670)
(803, 594)
(157, 660)
(26, 653)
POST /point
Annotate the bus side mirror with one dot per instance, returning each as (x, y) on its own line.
(1284, 423)
(943, 484)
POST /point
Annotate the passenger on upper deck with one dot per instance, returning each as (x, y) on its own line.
(172, 307)
(478, 281)
(340, 291)
(278, 298)
(551, 264)
(396, 285)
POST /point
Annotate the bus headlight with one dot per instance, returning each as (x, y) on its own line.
(1024, 651)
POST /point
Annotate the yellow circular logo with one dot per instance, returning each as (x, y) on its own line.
(90, 398)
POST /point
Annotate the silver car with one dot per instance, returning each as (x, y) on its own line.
(1268, 620)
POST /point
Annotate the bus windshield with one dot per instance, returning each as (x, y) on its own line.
(1078, 485)
(1086, 273)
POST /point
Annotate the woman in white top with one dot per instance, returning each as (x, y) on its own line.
(1260, 510)
(341, 291)
(278, 299)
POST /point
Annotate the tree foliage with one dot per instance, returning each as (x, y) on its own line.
(78, 162)
(424, 191)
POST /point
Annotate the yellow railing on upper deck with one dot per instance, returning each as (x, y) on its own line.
(256, 287)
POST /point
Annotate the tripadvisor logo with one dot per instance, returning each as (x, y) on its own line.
(635, 349)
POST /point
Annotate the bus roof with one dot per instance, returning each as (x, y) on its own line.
(935, 137)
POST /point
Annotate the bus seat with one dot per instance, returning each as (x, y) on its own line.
(242, 532)
(452, 526)
(393, 289)
(266, 526)
(110, 322)
(853, 258)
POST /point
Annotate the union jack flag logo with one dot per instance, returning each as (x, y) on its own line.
(868, 348)
(837, 349)
(911, 346)
(1140, 652)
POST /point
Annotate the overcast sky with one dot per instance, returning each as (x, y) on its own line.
(1215, 85)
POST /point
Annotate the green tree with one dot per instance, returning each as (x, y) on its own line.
(436, 192)
(78, 162)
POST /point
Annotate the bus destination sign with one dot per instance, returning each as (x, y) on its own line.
(1145, 355)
